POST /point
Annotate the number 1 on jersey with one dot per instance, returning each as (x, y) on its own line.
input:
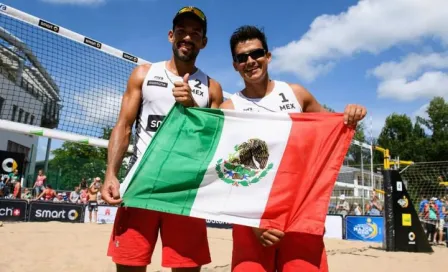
(284, 98)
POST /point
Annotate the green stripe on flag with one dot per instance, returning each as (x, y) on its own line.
(187, 141)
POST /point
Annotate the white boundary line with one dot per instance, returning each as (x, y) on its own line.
(64, 32)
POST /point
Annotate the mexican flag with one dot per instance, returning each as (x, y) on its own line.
(268, 170)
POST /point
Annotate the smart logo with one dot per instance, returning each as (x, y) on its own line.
(71, 215)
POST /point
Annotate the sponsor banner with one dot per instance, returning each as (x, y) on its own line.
(10, 161)
(61, 212)
(365, 228)
(334, 225)
(106, 214)
(13, 210)
(218, 224)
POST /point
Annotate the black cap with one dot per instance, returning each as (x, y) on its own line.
(197, 13)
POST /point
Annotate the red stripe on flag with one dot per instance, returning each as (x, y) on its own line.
(299, 198)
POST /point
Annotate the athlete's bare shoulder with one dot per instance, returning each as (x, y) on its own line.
(130, 102)
(228, 105)
(306, 99)
(215, 92)
(139, 73)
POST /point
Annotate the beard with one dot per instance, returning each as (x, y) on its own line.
(185, 58)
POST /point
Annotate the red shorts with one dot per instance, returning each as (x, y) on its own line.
(135, 232)
(295, 252)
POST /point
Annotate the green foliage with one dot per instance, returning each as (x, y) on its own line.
(74, 161)
(410, 142)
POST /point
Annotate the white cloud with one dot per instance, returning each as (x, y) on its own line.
(99, 107)
(428, 85)
(370, 26)
(75, 2)
(421, 112)
(411, 65)
(415, 76)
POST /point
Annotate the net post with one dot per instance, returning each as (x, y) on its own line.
(389, 235)
(403, 230)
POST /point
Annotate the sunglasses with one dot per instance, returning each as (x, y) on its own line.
(196, 11)
(254, 54)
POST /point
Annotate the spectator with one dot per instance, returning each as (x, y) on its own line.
(93, 198)
(75, 196)
(343, 207)
(17, 194)
(83, 184)
(48, 194)
(26, 194)
(422, 205)
(39, 185)
(356, 209)
(441, 220)
(374, 207)
(58, 198)
(11, 182)
(83, 196)
(431, 216)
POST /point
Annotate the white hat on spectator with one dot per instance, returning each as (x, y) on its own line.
(342, 197)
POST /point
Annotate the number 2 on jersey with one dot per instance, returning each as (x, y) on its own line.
(198, 83)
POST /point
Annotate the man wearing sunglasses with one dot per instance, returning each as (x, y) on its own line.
(269, 249)
(151, 92)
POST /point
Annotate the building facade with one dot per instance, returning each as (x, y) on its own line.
(28, 95)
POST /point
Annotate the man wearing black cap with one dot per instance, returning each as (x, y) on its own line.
(151, 92)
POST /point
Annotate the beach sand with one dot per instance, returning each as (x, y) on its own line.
(53, 246)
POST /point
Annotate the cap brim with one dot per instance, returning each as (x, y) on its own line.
(191, 15)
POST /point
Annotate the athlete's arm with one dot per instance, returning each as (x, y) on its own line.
(306, 99)
(352, 113)
(120, 136)
(215, 93)
(228, 104)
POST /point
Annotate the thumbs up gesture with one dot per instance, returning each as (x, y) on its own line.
(182, 92)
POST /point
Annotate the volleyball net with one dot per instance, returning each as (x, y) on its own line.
(54, 78)
(59, 84)
(427, 182)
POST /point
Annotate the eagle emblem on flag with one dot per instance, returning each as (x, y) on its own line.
(247, 165)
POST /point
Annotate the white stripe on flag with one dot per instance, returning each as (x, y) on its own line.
(218, 200)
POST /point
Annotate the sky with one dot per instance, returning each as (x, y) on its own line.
(388, 55)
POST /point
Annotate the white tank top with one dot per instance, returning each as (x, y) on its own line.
(281, 99)
(158, 99)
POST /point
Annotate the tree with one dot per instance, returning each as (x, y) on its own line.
(354, 153)
(75, 161)
(396, 135)
(437, 124)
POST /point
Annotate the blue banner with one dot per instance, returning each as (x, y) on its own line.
(365, 228)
